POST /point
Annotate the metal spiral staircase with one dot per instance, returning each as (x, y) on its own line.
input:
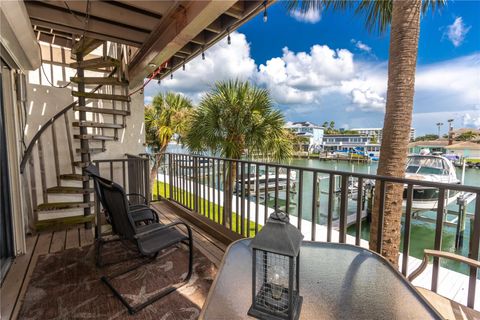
(102, 104)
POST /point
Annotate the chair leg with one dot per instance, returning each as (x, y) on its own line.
(134, 309)
(98, 253)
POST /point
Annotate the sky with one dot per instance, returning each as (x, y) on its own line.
(324, 66)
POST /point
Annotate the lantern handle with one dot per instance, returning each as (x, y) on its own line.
(280, 216)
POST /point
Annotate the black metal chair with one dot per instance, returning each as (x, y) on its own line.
(140, 212)
(148, 240)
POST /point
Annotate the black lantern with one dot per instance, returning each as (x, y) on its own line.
(275, 270)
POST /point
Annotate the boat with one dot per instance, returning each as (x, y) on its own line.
(432, 168)
(250, 183)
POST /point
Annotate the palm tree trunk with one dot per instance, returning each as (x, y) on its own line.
(153, 172)
(405, 29)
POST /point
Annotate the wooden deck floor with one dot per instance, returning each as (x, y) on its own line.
(16, 282)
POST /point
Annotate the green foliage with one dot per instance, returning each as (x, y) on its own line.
(236, 117)
(378, 14)
(168, 115)
(467, 136)
(427, 137)
(215, 213)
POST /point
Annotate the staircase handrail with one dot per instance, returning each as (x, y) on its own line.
(28, 151)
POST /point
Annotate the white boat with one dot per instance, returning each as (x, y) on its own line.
(432, 168)
(250, 183)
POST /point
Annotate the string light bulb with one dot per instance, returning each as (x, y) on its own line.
(203, 53)
(171, 76)
(265, 16)
(229, 40)
(159, 81)
(183, 66)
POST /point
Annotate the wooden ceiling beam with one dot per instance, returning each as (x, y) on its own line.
(109, 11)
(55, 18)
(173, 33)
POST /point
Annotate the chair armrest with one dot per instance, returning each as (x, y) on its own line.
(137, 195)
(441, 254)
(140, 208)
(163, 227)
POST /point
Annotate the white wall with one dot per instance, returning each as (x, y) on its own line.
(44, 101)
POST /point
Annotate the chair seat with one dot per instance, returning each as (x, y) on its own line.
(156, 241)
(447, 308)
(141, 213)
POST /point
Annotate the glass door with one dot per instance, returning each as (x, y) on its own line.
(6, 243)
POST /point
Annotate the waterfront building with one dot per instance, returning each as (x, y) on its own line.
(433, 146)
(376, 133)
(345, 142)
(313, 134)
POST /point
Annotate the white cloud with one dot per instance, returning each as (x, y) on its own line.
(310, 16)
(362, 46)
(222, 62)
(472, 119)
(457, 31)
(333, 84)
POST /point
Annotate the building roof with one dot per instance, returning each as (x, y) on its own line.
(433, 143)
(464, 145)
(302, 124)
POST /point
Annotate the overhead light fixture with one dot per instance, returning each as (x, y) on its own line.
(203, 53)
(229, 40)
(265, 16)
(152, 65)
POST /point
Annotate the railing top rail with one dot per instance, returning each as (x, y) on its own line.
(28, 151)
(441, 185)
(129, 155)
(118, 160)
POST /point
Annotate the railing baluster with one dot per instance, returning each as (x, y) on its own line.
(299, 199)
(438, 236)
(204, 193)
(314, 205)
(381, 206)
(237, 197)
(229, 179)
(475, 240)
(331, 190)
(266, 196)
(209, 203)
(276, 187)
(358, 222)
(184, 180)
(219, 175)
(257, 195)
(111, 172)
(69, 140)
(170, 176)
(242, 196)
(42, 171)
(157, 182)
(248, 201)
(406, 236)
(55, 154)
(213, 190)
(124, 178)
(343, 209)
(287, 193)
(165, 176)
(224, 193)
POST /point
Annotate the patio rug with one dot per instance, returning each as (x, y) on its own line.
(67, 285)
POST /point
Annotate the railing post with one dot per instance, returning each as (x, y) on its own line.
(475, 239)
(343, 209)
(146, 167)
(170, 177)
(195, 184)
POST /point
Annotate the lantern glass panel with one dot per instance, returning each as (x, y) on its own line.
(272, 282)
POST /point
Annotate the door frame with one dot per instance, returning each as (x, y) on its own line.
(6, 226)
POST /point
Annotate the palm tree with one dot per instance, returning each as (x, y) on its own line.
(237, 119)
(166, 117)
(403, 17)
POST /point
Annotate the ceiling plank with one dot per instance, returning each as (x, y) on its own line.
(173, 34)
(64, 21)
(158, 7)
(109, 11)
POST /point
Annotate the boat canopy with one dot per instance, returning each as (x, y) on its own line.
(427, 165)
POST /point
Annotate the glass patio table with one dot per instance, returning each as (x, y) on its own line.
(337, 281)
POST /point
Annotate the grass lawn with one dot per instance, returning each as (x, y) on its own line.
(216, 211)
(471, 160)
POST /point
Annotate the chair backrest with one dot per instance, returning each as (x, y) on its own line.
(116, 203)
(93, 172)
